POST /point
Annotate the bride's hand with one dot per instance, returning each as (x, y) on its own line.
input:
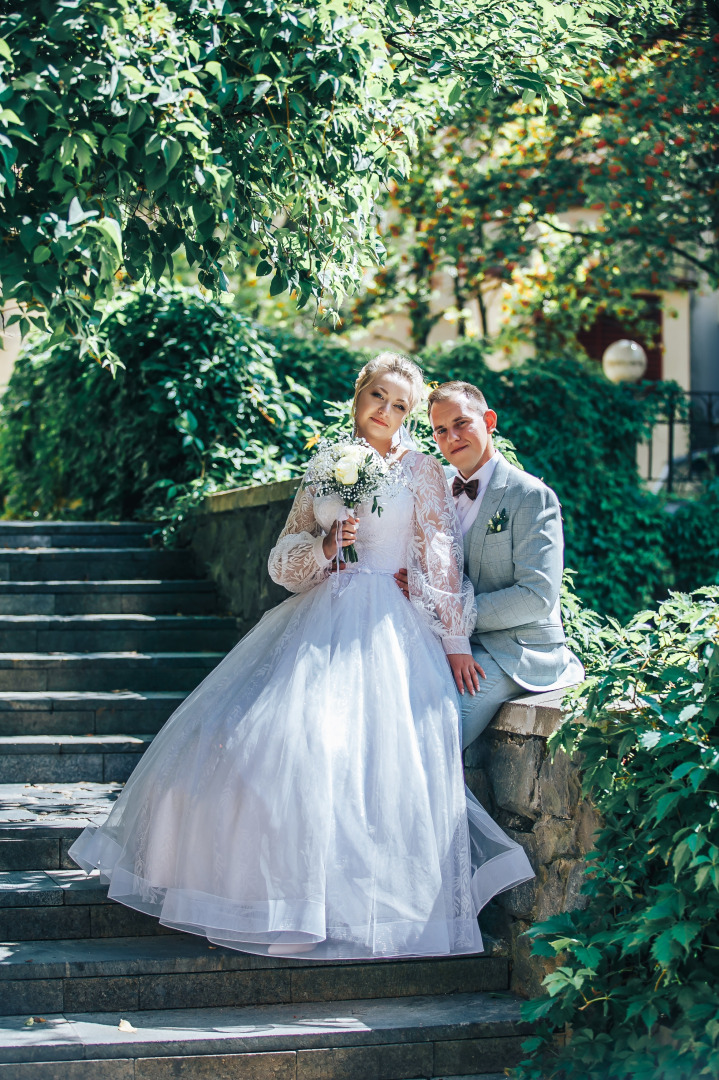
(348, 535)
(466, 672)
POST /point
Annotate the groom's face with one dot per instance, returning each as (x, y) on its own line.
(462, 434)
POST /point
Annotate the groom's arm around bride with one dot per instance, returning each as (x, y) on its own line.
(513, 555)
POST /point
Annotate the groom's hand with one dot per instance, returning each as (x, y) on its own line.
(401, 578)
(466, 672)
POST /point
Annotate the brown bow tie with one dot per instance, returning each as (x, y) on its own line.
(469, 487)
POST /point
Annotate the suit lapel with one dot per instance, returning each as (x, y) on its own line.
(474, 540)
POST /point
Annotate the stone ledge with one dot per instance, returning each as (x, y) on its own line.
(537, 798)
(536, 714)
(243, 498)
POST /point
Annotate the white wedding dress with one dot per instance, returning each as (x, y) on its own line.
(310, 790)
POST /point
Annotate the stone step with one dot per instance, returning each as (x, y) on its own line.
(196, 1066)
(61, 905)
(164, 633)
(177, 971)
(63, 759)
(38, 905)
(142, 597)
(34, 534)
(438, 1035)
(39, 822)
(105, 670)
(77, 712)
(97, 564)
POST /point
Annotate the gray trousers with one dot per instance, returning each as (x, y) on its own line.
(497, 688)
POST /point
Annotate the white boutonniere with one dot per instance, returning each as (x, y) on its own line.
(499, 522)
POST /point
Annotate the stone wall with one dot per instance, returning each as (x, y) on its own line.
(536, 800)
(232, 536)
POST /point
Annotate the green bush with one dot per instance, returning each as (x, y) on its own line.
(209, 399)
(326, 367)
(637, 977)
(197, 407)
(692, 537)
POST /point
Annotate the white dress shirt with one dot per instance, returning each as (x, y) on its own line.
(467, 509)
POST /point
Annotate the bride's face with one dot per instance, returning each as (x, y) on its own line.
(381, 408)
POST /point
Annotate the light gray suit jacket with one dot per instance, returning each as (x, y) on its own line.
(517, 574)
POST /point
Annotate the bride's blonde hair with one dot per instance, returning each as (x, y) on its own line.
(389, 363)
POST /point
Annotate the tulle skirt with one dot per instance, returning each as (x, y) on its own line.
(310, 793)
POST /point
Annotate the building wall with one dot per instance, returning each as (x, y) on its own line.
(704, 344)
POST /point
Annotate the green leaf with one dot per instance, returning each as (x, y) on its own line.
(455, 92)
(172, 152)
(278, 284)
(110, 229)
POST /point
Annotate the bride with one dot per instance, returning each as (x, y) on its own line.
(308, 797)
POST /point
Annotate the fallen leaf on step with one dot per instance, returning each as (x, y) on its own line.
(125, 1025)
(29, 1022)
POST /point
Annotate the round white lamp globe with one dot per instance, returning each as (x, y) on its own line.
(624, 361)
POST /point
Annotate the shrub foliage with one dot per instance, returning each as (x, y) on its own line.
(693, 538)
(197, 407)
(209, 400)
(637, 976)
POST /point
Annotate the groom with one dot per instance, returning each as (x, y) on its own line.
(513, 555)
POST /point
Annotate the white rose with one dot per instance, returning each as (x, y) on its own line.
(346, 471)
(353, 453)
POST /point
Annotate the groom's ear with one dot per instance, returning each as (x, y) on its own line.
(490, 419)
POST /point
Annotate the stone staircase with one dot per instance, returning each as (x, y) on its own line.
(101, 637)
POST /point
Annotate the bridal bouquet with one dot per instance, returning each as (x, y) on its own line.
(352, 470)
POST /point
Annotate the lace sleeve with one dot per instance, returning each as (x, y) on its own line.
(435, 566)
(297, 560)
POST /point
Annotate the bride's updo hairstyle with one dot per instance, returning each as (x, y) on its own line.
(389, 363)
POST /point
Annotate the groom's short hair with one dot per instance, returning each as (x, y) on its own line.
(456, 388)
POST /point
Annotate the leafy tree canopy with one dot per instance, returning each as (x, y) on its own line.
(133, 130)
(634, 164)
